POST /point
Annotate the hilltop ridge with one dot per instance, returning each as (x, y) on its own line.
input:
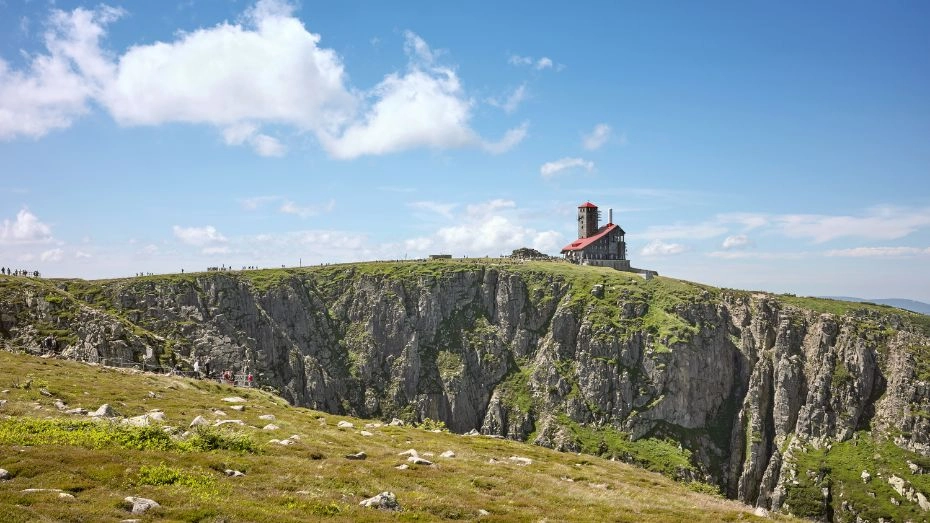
(742, 390)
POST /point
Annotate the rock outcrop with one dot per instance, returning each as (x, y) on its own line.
(743, 383)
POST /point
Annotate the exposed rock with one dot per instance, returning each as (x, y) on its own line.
(417, 460)
(373, 425)
(238, 408)
(402, 466)
(396, 423)
(472, 432)
(447, 454)
(146, 419)
(60, 405)
(104, 411)
(45, 392)
(198, 421)
(219, 413)
(482, 512)
(76, 411)
(761, 512)
(366, 433)
(221, 422)
(866, 477)
(270, 426)
(65, 496)
(140, 505)
(5, 475)
(409, 452)
(520, 460)
(234, 399)
(267, 417)
(234, 473)
(357, 455)
(2, 403)
(343, 424)
(383, 501)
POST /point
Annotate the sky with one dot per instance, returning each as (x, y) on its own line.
(778, 146)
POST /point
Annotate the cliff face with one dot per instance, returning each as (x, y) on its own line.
(747, 386)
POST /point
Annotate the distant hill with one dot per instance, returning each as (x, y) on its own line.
(911, 305)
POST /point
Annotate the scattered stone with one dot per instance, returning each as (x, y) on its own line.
(45, 392)
(345, 425)
(383, 501)
(234, 473)
(5, 475)
(77, 412)
(294, 437)
(894, 501)
(761, 512)
(357, 455)
(267, 417)
(482, 512)
(284, 442)
(198, 421)
(141, 505)
(472, 432)
(897, 484)
(2, 403)
(915, 469)
(598, 291)
(34, 490)
(396, 422)
(373, 425)
(866, 477)
(152, 394)
(60, 405)
(130, 521)
(104, 411)
(270, 426)
(220, 423)
(447, 454)
(520, 460)
(5, 391)
(493, 461)
(366, 433)
(410, 452)
(494, 436)
(218, 413)
(599, 486)
(417, 460)
(65, 495)
(923, 502)
(238, 408)
(428, 454)
(568, 479)
(402, 466)
(234, 399)
(145, 420)
(303, 492)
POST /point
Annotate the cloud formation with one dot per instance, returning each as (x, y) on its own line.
(879, 252)
(228, 76)
(550, 169)
(199, 236)
(597, 137)
(737, 241)
(26, 228)
(658, 248)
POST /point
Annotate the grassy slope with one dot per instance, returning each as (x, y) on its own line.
(309, 480)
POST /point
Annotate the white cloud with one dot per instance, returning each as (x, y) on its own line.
(416, 47)
(539, 64)
(25, 229)
(510, 140)
(520, 60)
(737, 241)
(742, 255)
(657, 248)
(550, 169)
(544, 63)
(879, 252)
(289, 207)
(80, 255)
(199, 236)
(263, 144)
(52, 255)
(597, 137)
(251, 204)
(512, 101)
(883, 223)
(268, 146)
(442, 209)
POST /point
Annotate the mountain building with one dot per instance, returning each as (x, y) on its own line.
(604, 246)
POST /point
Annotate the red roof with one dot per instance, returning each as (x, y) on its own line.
(581, 243)
(589, 205)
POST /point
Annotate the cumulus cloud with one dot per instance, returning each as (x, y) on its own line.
(597, 137)
(510, 140)
(52, 255)
(737, 241)
(26, 228)
(442, 209)
(657, 248)
(199, 236)
(539, 64)
(209, 76)
(544, 63)
(882, 223)
(550, 169)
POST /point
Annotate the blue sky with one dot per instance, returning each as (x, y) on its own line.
(777, 146)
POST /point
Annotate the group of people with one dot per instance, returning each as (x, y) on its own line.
(18, 272)
(203, 371)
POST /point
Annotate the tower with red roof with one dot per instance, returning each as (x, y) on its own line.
(597, 245)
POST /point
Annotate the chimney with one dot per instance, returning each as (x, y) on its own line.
(610, 216)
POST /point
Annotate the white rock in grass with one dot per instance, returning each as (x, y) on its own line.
(234, 473)
(141, 505)
(402, 466)
(447, 454)
(345, 425)
(271, 426)
(238, 408)
(482, 512)
(285, 442)
(220, 423)
(417, 460)
(383, 501)
(267, 417)
(65, 496)
(77, 412)
(521, 460)
(357, 455)
(396, 423)
(5, 475)
(234, 399)
(198, 421)
(105, 411)
(410, 452)
(366, 433)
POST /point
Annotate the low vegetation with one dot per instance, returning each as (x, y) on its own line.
(102, 462)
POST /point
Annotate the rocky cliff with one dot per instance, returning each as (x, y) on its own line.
(785, 403)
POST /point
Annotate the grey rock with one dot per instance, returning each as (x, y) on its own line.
(270, 426)
(76, 411)
(345, 425)
(383, 501)
(267, 417)
(140, 505)
(45, 392)
(519, 460)
(365, 433)
(234, 473)
(5, 475)
(238, 408)
(417, 460)
(234, 399)
(199, 421)
(357, 455)
(447, 454)
(222, 422)
(396, 423)
(104, 411)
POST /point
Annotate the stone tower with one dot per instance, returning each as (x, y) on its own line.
(587, 219)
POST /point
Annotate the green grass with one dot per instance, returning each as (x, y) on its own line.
(100, 463)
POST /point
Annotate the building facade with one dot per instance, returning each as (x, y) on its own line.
(597, 245)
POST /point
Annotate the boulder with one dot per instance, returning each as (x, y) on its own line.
(104, 411)
(270, 426)
(234, 473)
(140, 505)
(45, 392)
(417, 460)
(5, 475)
(409, 452)
(383, 501)
(198, 421)
(345, 425)
(77, 412)
(238, 408)
(366, 433)
(60, 405)
(866, 477)
(220, 423)
(402, 466)
(520, 460)
(234, 399)
(357, 455)
(267, 417)
(396, 422)
(447, 454)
